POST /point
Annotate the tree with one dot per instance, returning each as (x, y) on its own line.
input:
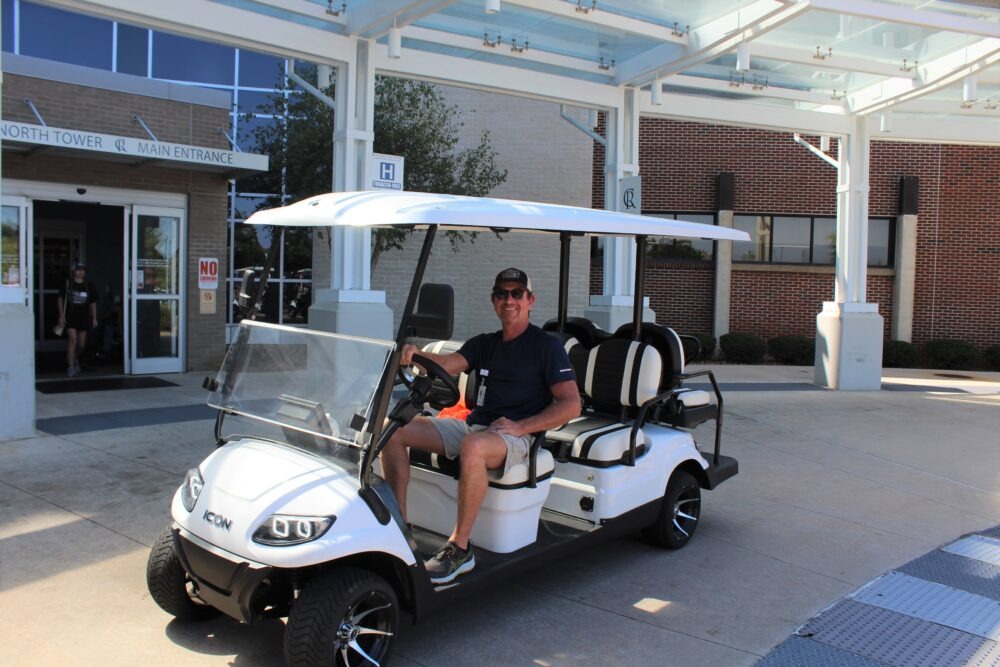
(411, 119)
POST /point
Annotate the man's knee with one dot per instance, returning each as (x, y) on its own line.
(483, 447)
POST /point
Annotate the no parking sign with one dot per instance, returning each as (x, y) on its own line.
(208, 273)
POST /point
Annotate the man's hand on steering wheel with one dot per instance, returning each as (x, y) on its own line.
(438, 388)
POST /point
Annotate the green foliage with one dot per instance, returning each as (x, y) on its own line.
(743, 348)
(707, 347)
(953, 354)
(793, 350)
(992, 356)
(411, 119)
(899, 354)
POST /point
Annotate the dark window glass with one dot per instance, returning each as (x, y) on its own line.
(254, 101)
(260, 71)
(252, 244)
(663, 247)
(824, 240)
(758, 248)
(878, 242)
(298, 298)
(791, 240)
(133, 50)
(247, 205)
(246, 131)
(185, 59)
(65, 37)
(298, 252)
(7, 20)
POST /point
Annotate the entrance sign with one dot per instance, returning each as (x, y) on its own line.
(208, 273)
(42, 135)
(630, 195)
(385, 172)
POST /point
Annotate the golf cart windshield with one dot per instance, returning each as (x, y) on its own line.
(311, 390)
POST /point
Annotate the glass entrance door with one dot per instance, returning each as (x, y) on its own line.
(156, 286)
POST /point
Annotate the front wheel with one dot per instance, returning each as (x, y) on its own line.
(170, 586)
(679, 513)
(346, 617)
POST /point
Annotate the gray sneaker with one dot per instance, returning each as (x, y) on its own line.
(71, 371)
(449, 562)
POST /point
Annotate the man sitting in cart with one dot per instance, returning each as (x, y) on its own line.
(525, 385)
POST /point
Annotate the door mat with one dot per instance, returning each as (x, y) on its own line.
(100, 384)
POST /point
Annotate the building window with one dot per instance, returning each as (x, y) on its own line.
(132, 55)
(665, 247)
(65, 37)
(781, 239)
(10, 247)
(758, 248)
(177, 58)
(289, 290)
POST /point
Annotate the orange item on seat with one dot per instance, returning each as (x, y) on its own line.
(457, 411)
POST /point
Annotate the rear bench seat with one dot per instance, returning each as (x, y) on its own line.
(616, 377)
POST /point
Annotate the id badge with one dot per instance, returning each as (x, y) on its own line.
(481, 394)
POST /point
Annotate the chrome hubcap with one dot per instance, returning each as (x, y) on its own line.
(355, 629)
(685, 515)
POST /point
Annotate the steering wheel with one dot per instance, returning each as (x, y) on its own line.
(438, 388)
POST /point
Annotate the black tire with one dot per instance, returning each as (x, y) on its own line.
(323, 629)
(170, 586)
(679, 513)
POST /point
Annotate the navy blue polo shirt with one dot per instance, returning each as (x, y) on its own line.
(517, 374)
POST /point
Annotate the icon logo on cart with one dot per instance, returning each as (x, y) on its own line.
(217, 520)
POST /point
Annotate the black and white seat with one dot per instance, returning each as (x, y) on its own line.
(616, 377)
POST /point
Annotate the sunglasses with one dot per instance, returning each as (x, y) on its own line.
(500, 294)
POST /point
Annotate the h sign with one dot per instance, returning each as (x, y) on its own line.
(385, 172)
(208, 273)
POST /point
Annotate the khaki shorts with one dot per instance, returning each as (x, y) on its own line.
(453, 430)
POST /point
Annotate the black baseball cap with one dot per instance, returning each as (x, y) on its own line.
(513, 275)
(79, 265)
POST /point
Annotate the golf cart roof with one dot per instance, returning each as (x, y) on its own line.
(394, 208)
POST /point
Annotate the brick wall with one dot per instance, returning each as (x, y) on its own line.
(957, 291)
(95, 110)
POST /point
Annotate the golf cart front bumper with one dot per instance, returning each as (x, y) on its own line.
(235, 587)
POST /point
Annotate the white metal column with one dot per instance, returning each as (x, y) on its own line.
(849, 329)
(351, 306)
(621, 159)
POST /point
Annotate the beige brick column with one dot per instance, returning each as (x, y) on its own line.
(723, 277)
(906, 269)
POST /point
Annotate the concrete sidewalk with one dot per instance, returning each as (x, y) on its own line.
(835, 489)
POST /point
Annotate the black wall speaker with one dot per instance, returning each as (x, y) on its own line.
(909, 194)
(725, 191)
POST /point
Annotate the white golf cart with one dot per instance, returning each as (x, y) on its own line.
(289, 516)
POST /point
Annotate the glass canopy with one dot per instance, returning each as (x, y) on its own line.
(927, 59)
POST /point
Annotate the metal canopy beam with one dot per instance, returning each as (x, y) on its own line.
(373, 19)
(597, 17)
(709, 41)
(906, 16)
(453, 71)
(932, 76)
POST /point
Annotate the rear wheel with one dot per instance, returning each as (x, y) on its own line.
(346, 617)
(170, 586)
(679, 513)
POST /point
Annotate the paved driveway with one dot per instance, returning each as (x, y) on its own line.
(835, 488)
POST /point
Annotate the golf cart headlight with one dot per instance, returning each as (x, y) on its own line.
(193, 484)
(281, 530)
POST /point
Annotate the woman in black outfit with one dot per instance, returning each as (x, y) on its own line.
(77, 312)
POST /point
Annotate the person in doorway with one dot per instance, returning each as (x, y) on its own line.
(78, 314)
(525, 385)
